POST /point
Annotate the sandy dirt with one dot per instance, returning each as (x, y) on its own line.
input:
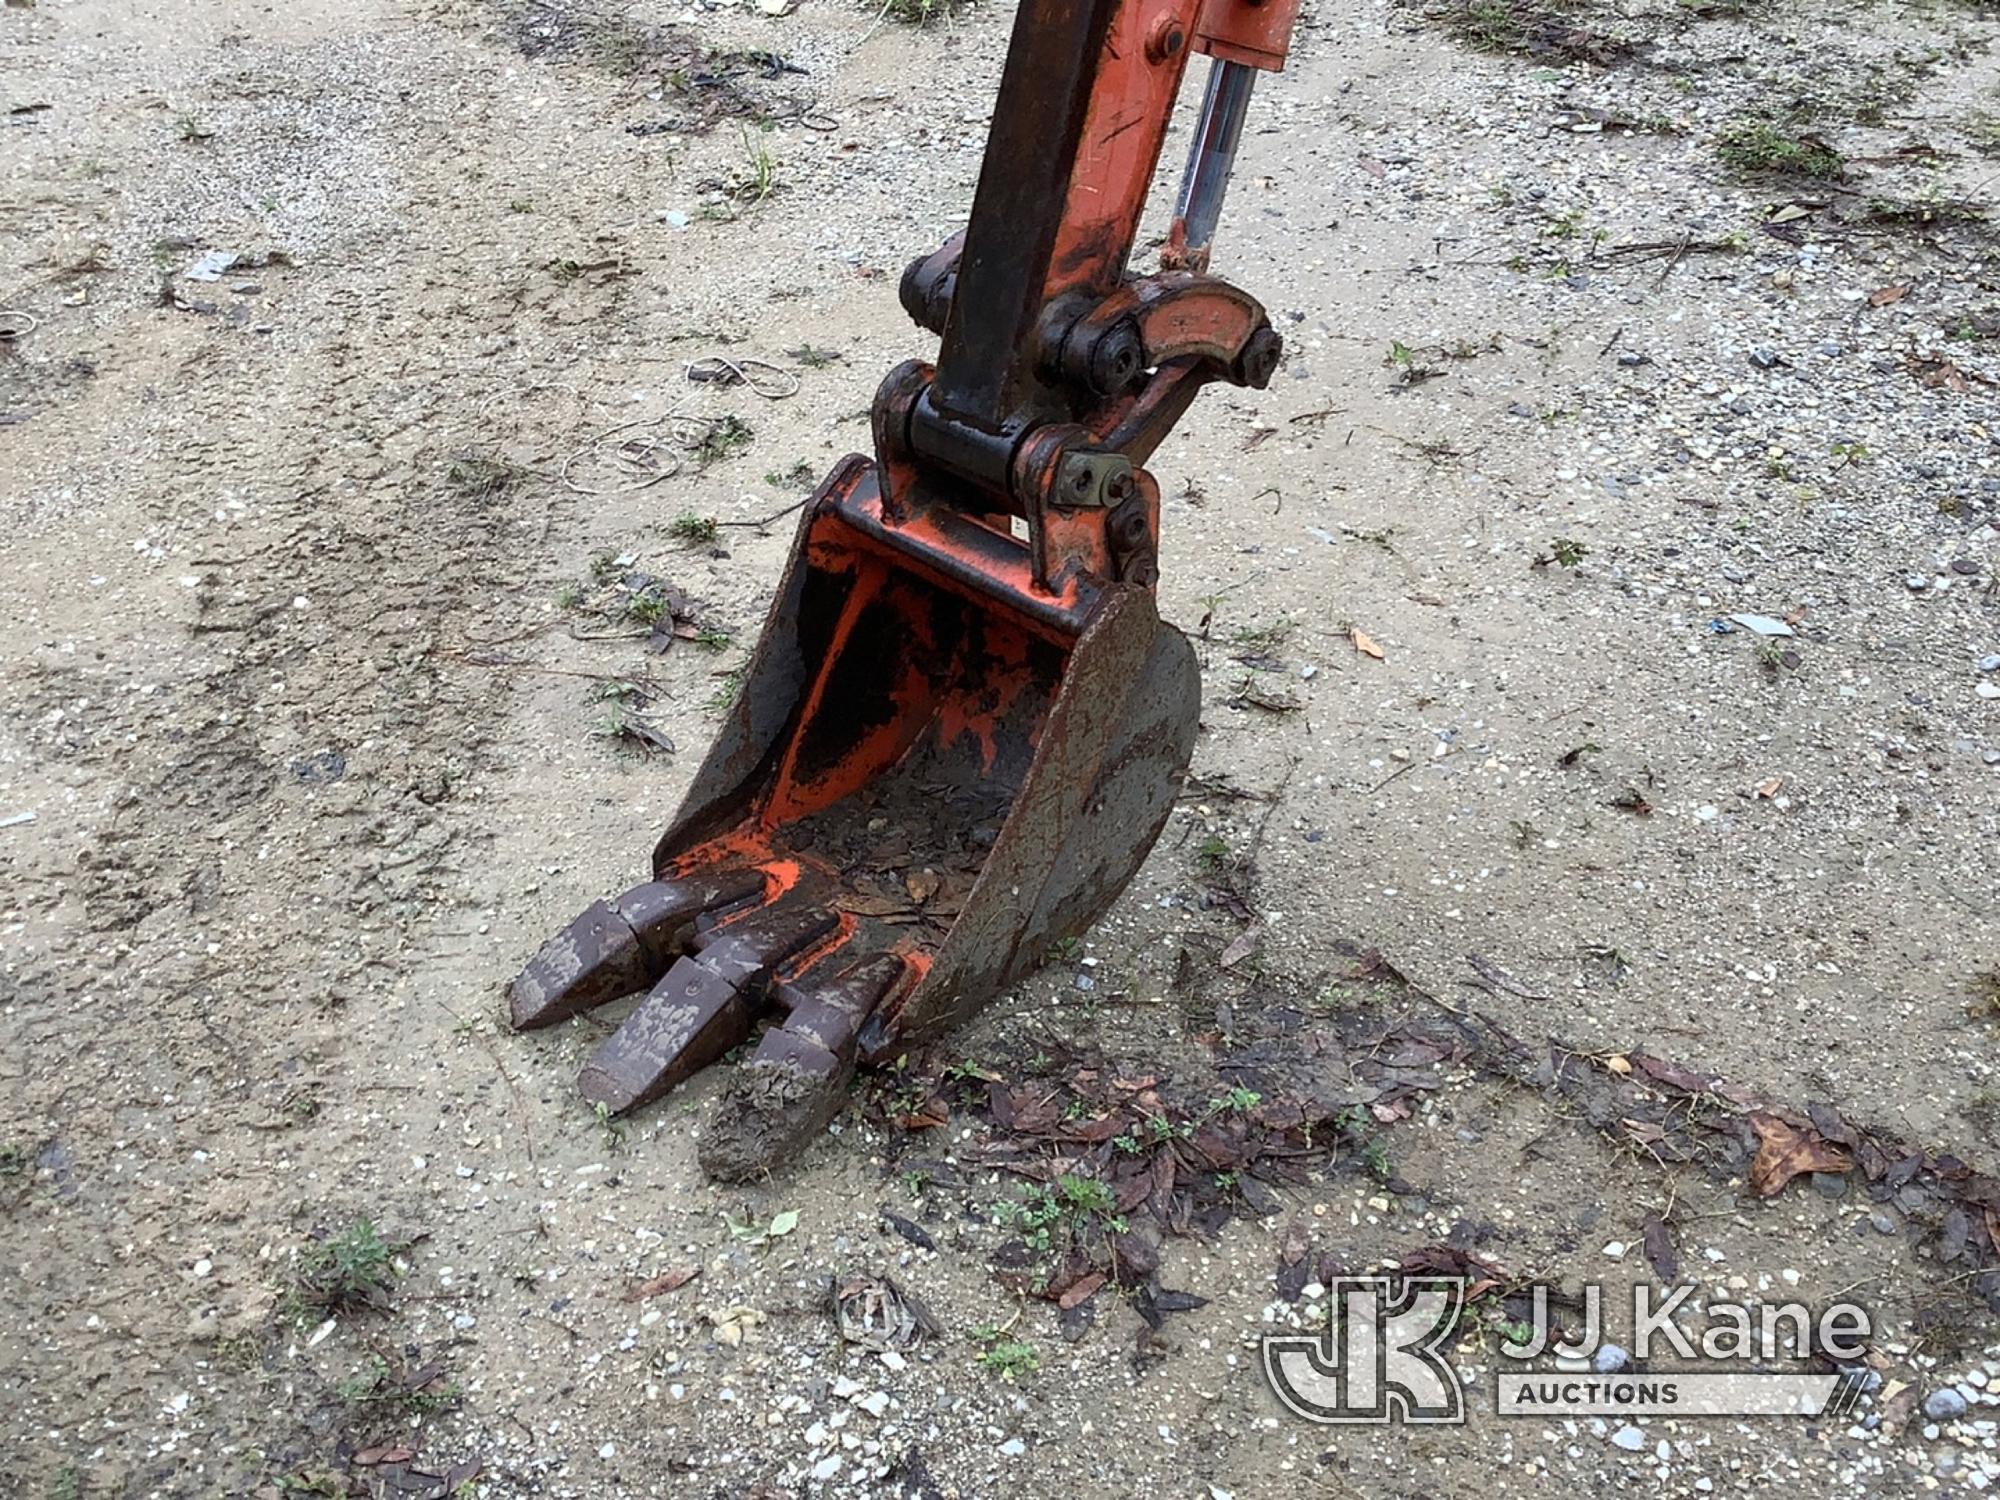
(319, 658)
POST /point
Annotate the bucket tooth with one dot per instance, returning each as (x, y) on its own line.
(619, 947)
(706, 1004)
(687, 1020)
(796, 1080)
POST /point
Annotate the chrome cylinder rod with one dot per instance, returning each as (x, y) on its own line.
(1211, 159)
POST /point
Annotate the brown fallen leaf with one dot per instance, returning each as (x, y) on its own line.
(1898, 1404)
(670, 1281)
(1883, 296)
(1659, 1242)
(1784, 1151)
(922, 885)
(1083, 1291)
(1771, 787)
(369, 1458)
(1939, 373)
(1244, 944)
(1364, 642)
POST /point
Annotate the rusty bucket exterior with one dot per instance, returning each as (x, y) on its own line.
(932, 774)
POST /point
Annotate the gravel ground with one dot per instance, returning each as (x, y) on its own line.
(1640, 409)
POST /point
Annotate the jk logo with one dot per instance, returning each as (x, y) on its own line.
(1379, 1359)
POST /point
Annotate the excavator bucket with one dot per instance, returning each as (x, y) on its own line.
(964, 725)
(931, 775)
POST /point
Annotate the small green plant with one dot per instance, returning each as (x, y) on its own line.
(188, 126)
(813, 358)
(1564, 226)
(565, 270)
(1489, 26)
(756, 1232)
(797, 476)
(1212, 852)
(691, 530)
(356, 1268)
(1762, 145)
(1003, 1355)
(724, 697)
(1375, 1159)
(609, 1128)
(922, 13)
(713, 638)
(1408, 364)
(724, 436)
(761, 177)
(520, 206)
(316, 1484)
(382, 1390)
(1567, 552)
(1052, 1218)
(15, 1160)
(570, 596)
(1850, 453)
(649, 606)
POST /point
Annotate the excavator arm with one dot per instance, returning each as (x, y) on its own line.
(964, 723)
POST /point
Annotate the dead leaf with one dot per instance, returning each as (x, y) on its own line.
(922, 885)
(1645, 1132)
(1480, 1274)
(1771, 787)
(670, 1281)
(1784, 1151)
(1364, 642)
(1659, 1242)
(1939, 373)
(1083, 1291)
(368, 1458)
(1897, 1401)
(1618, 1065)
(1883, 296)
(1244, 944)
